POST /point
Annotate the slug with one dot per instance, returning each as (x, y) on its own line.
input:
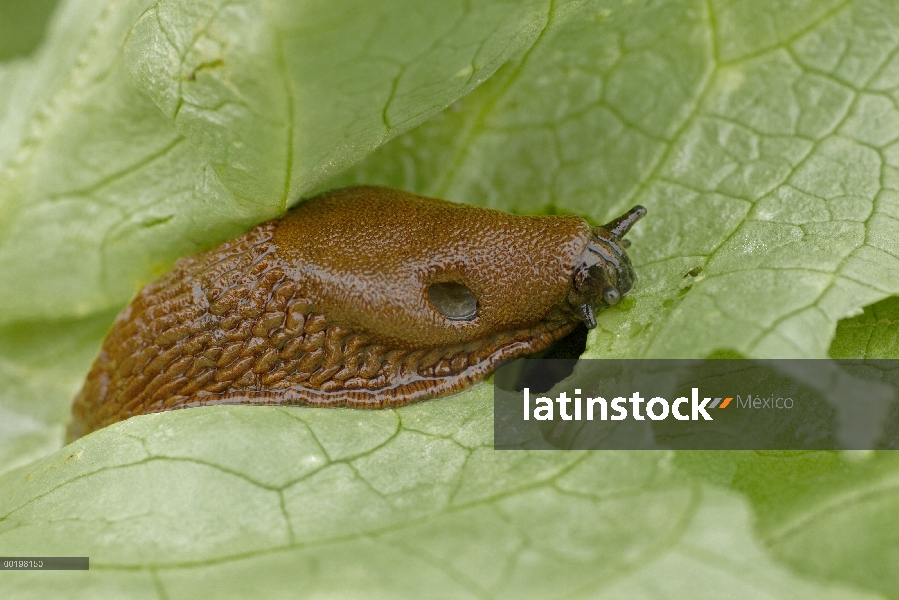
(364, 297)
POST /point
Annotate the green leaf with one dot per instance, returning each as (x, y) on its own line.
(22, 26)
(872, 334)
(823, 513)
(42, 365)
(239, 501)
(763, 137)
(279, 97)
(94, 181)
(152, 130)
(774, 170)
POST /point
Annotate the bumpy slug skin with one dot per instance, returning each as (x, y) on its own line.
(364, 297)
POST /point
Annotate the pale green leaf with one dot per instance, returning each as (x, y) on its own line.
(233, 502)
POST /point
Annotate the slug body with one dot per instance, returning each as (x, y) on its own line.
(364, 297)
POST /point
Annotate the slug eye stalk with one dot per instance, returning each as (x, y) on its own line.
(620, 226)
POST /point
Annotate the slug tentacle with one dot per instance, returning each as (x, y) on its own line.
(620, 226)
(587, 315)
(363, 297)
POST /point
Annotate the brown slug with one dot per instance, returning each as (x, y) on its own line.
(364, 297)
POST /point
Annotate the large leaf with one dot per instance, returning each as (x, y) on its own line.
(408, 503)
(247, 105)
(762, 136)
(768, 160)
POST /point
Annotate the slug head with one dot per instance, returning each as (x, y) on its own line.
(604, 273)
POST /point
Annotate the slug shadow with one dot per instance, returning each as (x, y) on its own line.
(566, 352)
